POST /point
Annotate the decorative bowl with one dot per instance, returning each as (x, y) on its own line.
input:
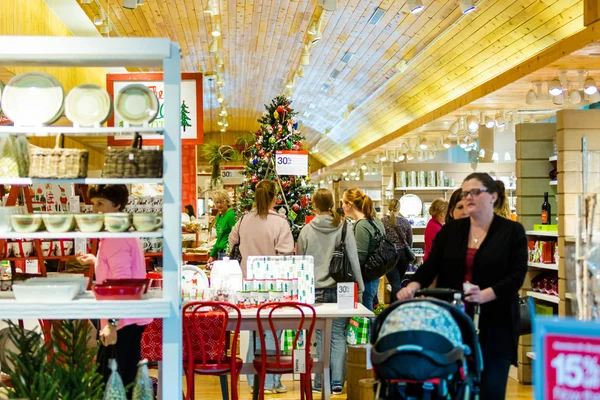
(90, 222)
(58, 223)
(81, 281)
(129, 282)
(26, 223)
(49, 293)
(118, 292)
(117, 222)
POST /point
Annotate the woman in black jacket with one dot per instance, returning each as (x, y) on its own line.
(486, 256)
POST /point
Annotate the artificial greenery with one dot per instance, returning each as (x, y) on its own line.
(68, 372)
(216, 154)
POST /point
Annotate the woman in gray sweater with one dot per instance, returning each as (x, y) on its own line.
(319, 239)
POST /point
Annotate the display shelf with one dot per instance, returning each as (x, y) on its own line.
(553, 158)
(418, 227)
(59, 258)
(84, 307)
(81, 235)
(553, 267)
(553, 183)
(195, 257)
(84, 181)
(418, 238)
(425, 188)
(74, 131)
(543, 233)
(543, 296)
(531, 354)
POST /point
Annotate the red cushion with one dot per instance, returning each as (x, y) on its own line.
(286, 364)
(224, 367)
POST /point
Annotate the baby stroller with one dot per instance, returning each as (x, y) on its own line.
(426, 348)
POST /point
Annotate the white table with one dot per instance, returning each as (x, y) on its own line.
(288, 319)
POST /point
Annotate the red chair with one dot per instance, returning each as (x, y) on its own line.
(284, 364)
(207, 348)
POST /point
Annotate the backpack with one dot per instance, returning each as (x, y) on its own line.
(340, 269)
(382, 260)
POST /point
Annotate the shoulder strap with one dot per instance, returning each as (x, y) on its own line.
(344, 232)
(377, 232)
(239, 230)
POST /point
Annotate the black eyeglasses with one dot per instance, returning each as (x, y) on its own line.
(472, 192)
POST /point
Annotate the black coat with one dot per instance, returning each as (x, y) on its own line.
(500, 263)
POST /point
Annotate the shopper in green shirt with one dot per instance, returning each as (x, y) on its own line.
(225, 220)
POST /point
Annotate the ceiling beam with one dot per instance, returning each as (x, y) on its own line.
(553, 53)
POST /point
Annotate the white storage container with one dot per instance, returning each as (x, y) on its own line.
(226, 274)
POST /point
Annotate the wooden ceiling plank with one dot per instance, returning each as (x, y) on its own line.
(197, 35)
(251, 112)
(241, 33)
(186, 20)
(117, 12)
(249, 71)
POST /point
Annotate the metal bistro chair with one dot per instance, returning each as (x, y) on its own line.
(207, 355)
(279, 363)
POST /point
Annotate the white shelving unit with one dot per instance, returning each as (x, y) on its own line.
(553, 234)
(531, 354)
(553, 267)
(543, 296)
(85, 181)
(116, 52)
(81, 235)
(438, 188)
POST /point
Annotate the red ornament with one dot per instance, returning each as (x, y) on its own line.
(299, 144)
(285, 185)
(288, 108)
(280, 110)
(295, 147)
(304, 201)
(295, 207)
(261, 153)
(254, 179)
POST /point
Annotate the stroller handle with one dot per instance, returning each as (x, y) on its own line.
(438, 293)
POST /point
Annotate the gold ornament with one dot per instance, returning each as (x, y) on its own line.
(276, 115)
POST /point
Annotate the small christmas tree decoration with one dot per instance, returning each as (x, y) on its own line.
(114, 387)
(143, 385)
(185, 119)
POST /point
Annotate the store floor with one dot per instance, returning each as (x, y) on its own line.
(208, 388)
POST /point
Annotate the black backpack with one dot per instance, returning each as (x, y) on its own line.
(339, 268)
(382, 260)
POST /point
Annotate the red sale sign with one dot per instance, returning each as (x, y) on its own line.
(571, 365)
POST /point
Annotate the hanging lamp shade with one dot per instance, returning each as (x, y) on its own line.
(305, 58)
(300, 72)
(213, 47)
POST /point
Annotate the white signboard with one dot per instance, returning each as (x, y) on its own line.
(288, 162)
(232, 176)
(347, 295)
(187, 107)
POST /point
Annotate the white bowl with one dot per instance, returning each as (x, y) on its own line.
(58, 223)
(48, 293)
(82, 281)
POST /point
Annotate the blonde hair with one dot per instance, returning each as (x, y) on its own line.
(221, 195)
(438, 207)
(393, 207)
(361, 201)
(323, 201)
(264, 194)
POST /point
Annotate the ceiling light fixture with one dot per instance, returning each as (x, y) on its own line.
(213, 47)
(220, 80)
(423, 144)
(590, 87)
(447, 143)
(507, 156)
(345, 173)
(216, 30)
(500, 121)
(300, 72)
(558, 100)
(555, 87)
(220, 122)
(472, 123)
(454, 127)
(574, 97)
(223, 129)
(531, 97)
(220, 98)
(404, 148)
(467, 6)
(464, 143)
(105, 28)
(415, 6)
(401, 157)
(410, 155)
(363, 167)
(218, 60)
(305, 58)
(489, 122)
(495, 157)
(223, 112)
(383, 157)
(209, 8)
(312, 29)
(98, 20)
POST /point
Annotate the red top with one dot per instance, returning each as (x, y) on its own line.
(432, 229)
(469, 264)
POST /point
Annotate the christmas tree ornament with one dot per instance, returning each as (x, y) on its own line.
(114, 387)
(280, 109)
(296, 207)
(276, 115)
(299, 144)
(261, 153)
(255, 161)
(295, 147)
(288, 144)
(304, 201)
(143, 385)
(272, 140)
(295, 127)
(254, 179)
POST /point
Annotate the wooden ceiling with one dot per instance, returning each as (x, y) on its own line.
(448, 54)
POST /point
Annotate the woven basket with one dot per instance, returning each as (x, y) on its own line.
(58, 162)
(133, 162)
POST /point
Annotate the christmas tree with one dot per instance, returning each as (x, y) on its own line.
(278, 131)
(185, 119)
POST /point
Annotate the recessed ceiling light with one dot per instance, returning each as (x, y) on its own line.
(306, 114)
(415, 6)
(325, 87)
(467, 6)
(347, 57)
(335, 73)
(312, 106)
(377, 15)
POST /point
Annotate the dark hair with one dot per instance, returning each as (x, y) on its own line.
(189, 210)
(361, 201)
(454, 199)
(323, 201)
(491, 185)
(264, 195)
(117, 194)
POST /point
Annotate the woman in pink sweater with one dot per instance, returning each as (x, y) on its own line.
(117, 259)
(437, 210)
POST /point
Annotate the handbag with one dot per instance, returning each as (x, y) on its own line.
(524, 315)
(408, 253)
(339, 268)
(235, 253)
(382, 260)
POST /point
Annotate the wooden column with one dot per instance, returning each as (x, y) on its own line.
(591, 11)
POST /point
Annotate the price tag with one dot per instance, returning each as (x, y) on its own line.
(567, 359)
(347, 295)
(368, 361)
(232, 175)
(289, 162)
(31, 267)
(299, 362)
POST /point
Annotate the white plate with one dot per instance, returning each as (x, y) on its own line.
(411, 205)
(193, 277)
(33, 99)
(136, 104)
(88, 105)
(48, 293)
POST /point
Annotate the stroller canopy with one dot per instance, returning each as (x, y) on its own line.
(422, 316)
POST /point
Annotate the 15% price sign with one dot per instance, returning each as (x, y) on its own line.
(568, 363)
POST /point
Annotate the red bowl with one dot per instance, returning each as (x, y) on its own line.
(156, 280)
(118, 292)
(128, 282)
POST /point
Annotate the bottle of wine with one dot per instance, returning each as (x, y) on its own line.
(546, 211)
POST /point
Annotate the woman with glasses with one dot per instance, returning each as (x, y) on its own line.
(486, 257)
(224, 223)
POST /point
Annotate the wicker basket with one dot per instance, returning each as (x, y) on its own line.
(58, 162)
(133, 162)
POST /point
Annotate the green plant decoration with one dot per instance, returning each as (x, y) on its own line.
(216, 154)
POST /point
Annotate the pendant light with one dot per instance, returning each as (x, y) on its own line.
(300, 72)
(219, 60)
(472, 123)
(415, 6)
(454, 127)
(467, 6)
(555, 87)
(590, 87)
(305, 58)
(213, 46)
(447, 144)
(423, 144)
(489, 122)
(220, 98)
(216, 30)
(500, 121)
(531, 97)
